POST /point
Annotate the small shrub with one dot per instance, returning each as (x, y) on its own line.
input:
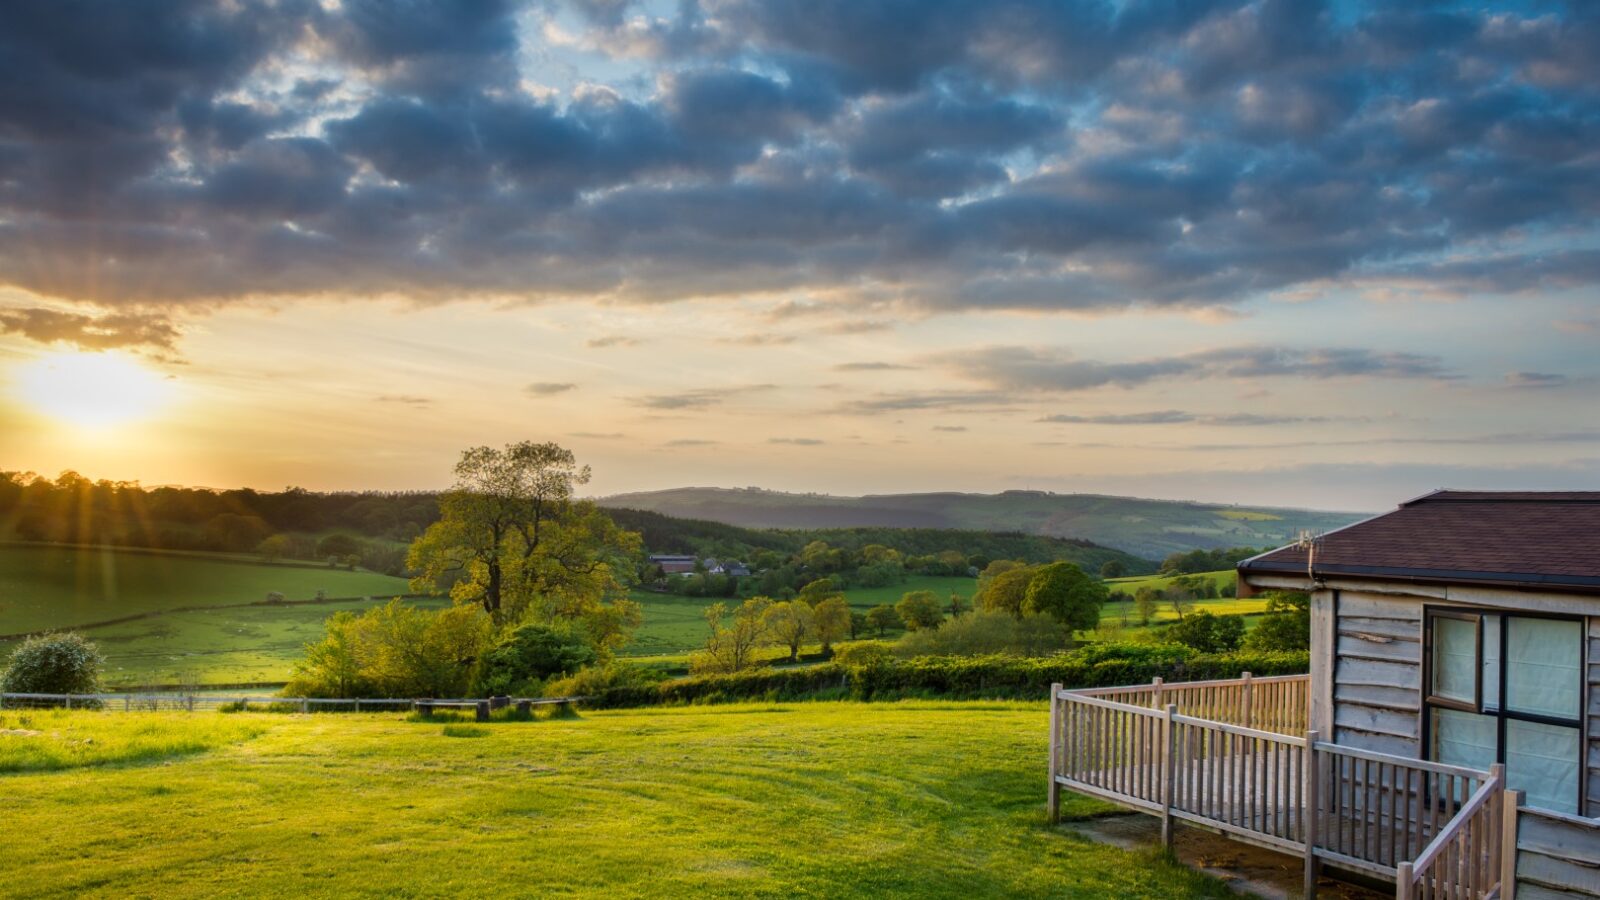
(593, 681)
(862, 653)
(1208, 633)
(987, 632)
(521, 661)
(53, 664)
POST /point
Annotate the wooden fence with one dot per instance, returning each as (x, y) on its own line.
(1235, 757)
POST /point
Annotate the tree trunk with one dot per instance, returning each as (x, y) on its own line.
(491, 593)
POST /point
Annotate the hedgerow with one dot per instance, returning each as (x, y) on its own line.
(958, 678)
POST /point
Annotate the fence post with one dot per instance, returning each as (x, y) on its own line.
(1405, 877)
(1511, 806)
(1054, 803)
(1169, 768)
(1157, 684)
(305, 705)
(1249, 692)
(358, 704)
(69, 701)
(1309, 815)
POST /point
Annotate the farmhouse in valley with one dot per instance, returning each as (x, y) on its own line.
(1448, 735)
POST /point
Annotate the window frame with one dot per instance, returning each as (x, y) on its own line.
(1502, 714)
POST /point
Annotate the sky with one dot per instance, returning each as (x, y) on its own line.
(1289, 253)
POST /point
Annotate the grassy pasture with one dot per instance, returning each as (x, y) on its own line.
(1222, 606)
(818, 800)
(60, 587)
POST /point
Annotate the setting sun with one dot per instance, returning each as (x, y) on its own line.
(92, 390)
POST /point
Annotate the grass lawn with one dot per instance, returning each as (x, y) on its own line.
(59, 587)
(824, 799)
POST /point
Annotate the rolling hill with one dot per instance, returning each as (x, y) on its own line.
(1147, 528)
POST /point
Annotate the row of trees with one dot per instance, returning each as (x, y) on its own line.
(74, 509)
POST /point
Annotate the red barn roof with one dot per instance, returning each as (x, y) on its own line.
(1520, 539)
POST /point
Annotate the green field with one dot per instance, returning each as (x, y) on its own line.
(914, 799)
(1223, 606)
(675, 625)
(215, 640)
(58, 587)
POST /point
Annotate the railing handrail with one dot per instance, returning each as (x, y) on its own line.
(1240, 730)
(1449, 832)
(1180, 685)
(1425, 765)
(1111, 704)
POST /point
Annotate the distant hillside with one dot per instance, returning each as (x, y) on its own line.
(1150, 529)
(669, 534)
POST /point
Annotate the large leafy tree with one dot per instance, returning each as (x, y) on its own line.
(513, 538)
(1064, 592)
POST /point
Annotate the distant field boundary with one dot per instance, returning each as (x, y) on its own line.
(157, 613)
(244, 559)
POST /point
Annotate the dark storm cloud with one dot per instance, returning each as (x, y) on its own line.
(947, 155)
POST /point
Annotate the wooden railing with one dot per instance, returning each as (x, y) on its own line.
(1465, 858)
(1433, 826)
(1280, 704)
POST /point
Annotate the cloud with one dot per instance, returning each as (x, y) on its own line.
(690, 442)
(1536, 380)
(549, 388)
(698, 399)
(873, 367)
(1048, 370)
(909, 401)
(406, 399)
(1163, 417)
(105, 332)
(598, 436)
(1178, 416)
(612, 340)
(1021, 154)
(950, 428)
(799, 442)
(758, 340)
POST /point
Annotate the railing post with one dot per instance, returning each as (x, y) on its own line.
(1511, 806)
(1055, 753)
(1156, 685)
(1309, 815)
(1245, 677)
(1405, 882)
(1169, 764)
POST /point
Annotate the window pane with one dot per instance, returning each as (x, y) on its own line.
(1544, 666)
(1455, 659)
(1542, 760)
(1464, 739)
(1491, 663)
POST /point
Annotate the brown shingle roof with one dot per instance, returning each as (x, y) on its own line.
(1522, 539)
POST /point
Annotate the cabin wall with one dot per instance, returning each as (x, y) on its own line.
(1558, 857)
(1594, 716)
(1377, 671)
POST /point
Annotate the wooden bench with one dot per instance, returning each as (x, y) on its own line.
(480, 708)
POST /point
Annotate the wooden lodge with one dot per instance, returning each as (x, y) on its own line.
(1447, 738)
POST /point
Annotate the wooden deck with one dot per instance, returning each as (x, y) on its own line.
(1226, 756)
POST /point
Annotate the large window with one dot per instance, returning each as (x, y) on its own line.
(1508, 688)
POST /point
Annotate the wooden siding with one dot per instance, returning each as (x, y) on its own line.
(1377, 673)
(1557, 857)
(1594, 716)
